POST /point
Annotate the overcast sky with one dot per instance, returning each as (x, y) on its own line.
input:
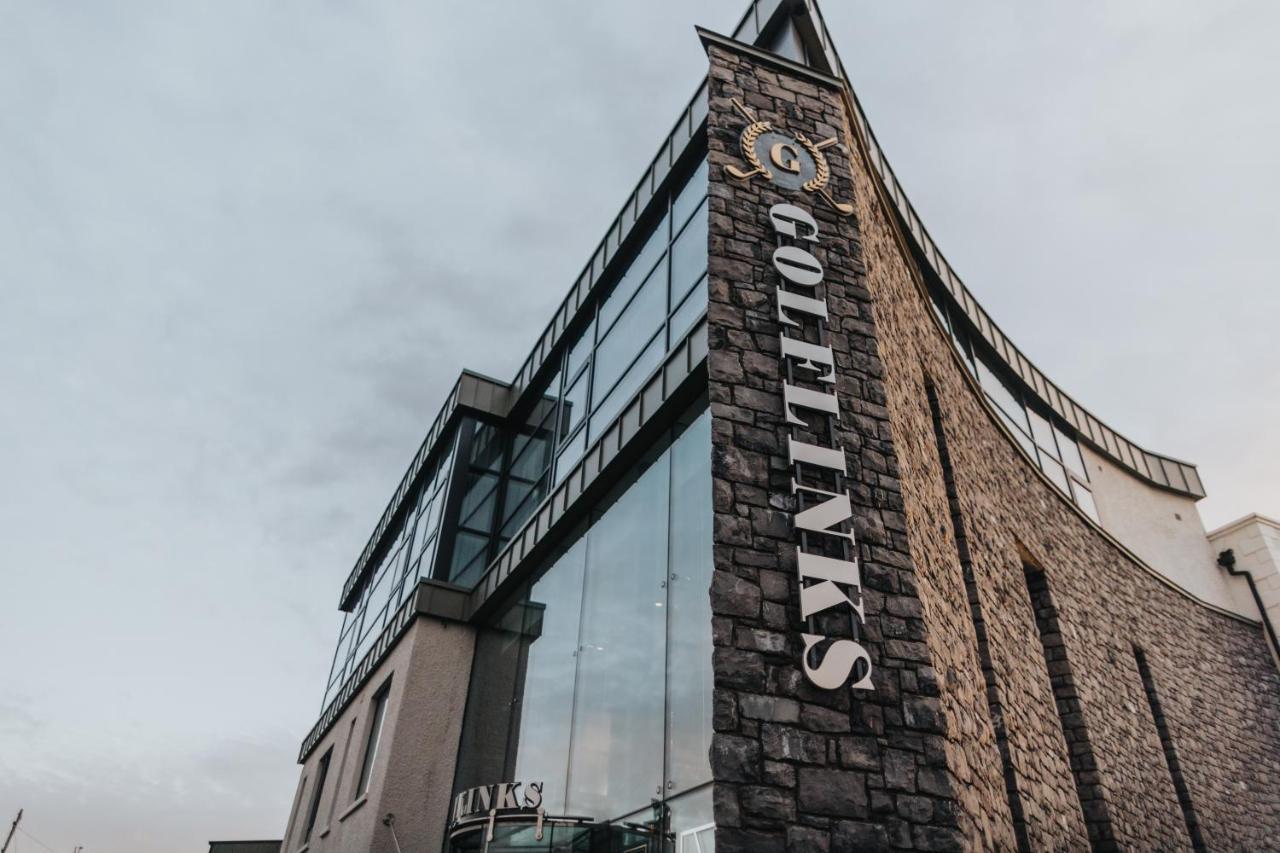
(246, 247)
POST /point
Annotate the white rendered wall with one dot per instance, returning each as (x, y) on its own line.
(1165, 530)
(1255, 539)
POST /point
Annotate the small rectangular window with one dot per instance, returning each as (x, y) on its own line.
(1070, 454)
(1054, 471)
(689, 256)
(693, 192)
(687, 314)
(1084, 500)
(1042, 432)
(322, 771)
(375, 737)
(1002, 395)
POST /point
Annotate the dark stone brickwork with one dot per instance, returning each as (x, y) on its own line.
(916, 763)
(799, 768)
(1219, 690)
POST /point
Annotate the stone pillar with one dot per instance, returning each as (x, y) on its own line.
(799, 767)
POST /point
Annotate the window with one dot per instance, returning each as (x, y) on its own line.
(322, 773)
(597, 676)
(410, 556)
(663, 287)
(375, 737)
(689, 255)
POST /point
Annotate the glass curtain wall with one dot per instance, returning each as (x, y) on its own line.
(657, 299)
(478, 505)
(408, 558)
(596, 678)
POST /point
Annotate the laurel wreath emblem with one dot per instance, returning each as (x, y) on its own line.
(819, 180)
(822, 171)
(747, 142)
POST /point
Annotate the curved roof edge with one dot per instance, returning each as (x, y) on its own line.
(762, 18)
(1157, 469)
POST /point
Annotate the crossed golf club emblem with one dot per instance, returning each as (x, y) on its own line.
(790, 161)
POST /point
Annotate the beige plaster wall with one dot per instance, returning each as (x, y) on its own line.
(1165, 530)
(413, 771)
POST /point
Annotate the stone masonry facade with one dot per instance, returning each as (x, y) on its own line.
(1218, 688)
(1017, 651)
(798, 768)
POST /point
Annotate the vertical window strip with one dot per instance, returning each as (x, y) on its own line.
(1084, 765)
(994, 706)
(376, 719)
(313, 811)
(1170, 752)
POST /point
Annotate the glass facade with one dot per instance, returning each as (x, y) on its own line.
(656, 300)
(509, 468)
(1037, 430)
(409, 557)
(595, 677)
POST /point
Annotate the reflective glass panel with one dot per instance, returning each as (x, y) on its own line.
(551, 657)
(1054, 471)
(637, 272)
(689, 255)
(1001, 395)
(465, 549)
(570, 455)
(1042, 432)
(532, 453)
(688, 593)
(517, 492)
(477, 503)
(580, 350)
(616, 759)
(633, 330)
(1084, 499)
(695, 189)
(1019, 432)
(692, 822)
(613, 404)
(1070, 454)
(688, 313)
(574, 407)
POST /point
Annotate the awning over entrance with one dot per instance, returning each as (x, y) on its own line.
(558, 835)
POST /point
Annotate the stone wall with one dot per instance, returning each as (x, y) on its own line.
(1219, 692)
(799, 768)
(950, 607)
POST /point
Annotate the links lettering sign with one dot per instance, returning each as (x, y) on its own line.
(826, 556)
(503, 801)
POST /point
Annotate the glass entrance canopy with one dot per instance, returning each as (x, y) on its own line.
(560, 835)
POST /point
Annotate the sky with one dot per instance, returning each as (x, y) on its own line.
(246, 247)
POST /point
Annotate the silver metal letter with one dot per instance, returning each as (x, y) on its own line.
(818, 401)
(785, 217)
(533, 795)
(821, 518)
(812, 454)
(507, 795)
(820, 596)
(811, 357)
(797, 266)
(794, 301)
(836, 664)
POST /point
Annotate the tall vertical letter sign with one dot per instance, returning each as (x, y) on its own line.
(830, 583)
(826, 554)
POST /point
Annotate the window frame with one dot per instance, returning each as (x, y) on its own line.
(373, 737)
